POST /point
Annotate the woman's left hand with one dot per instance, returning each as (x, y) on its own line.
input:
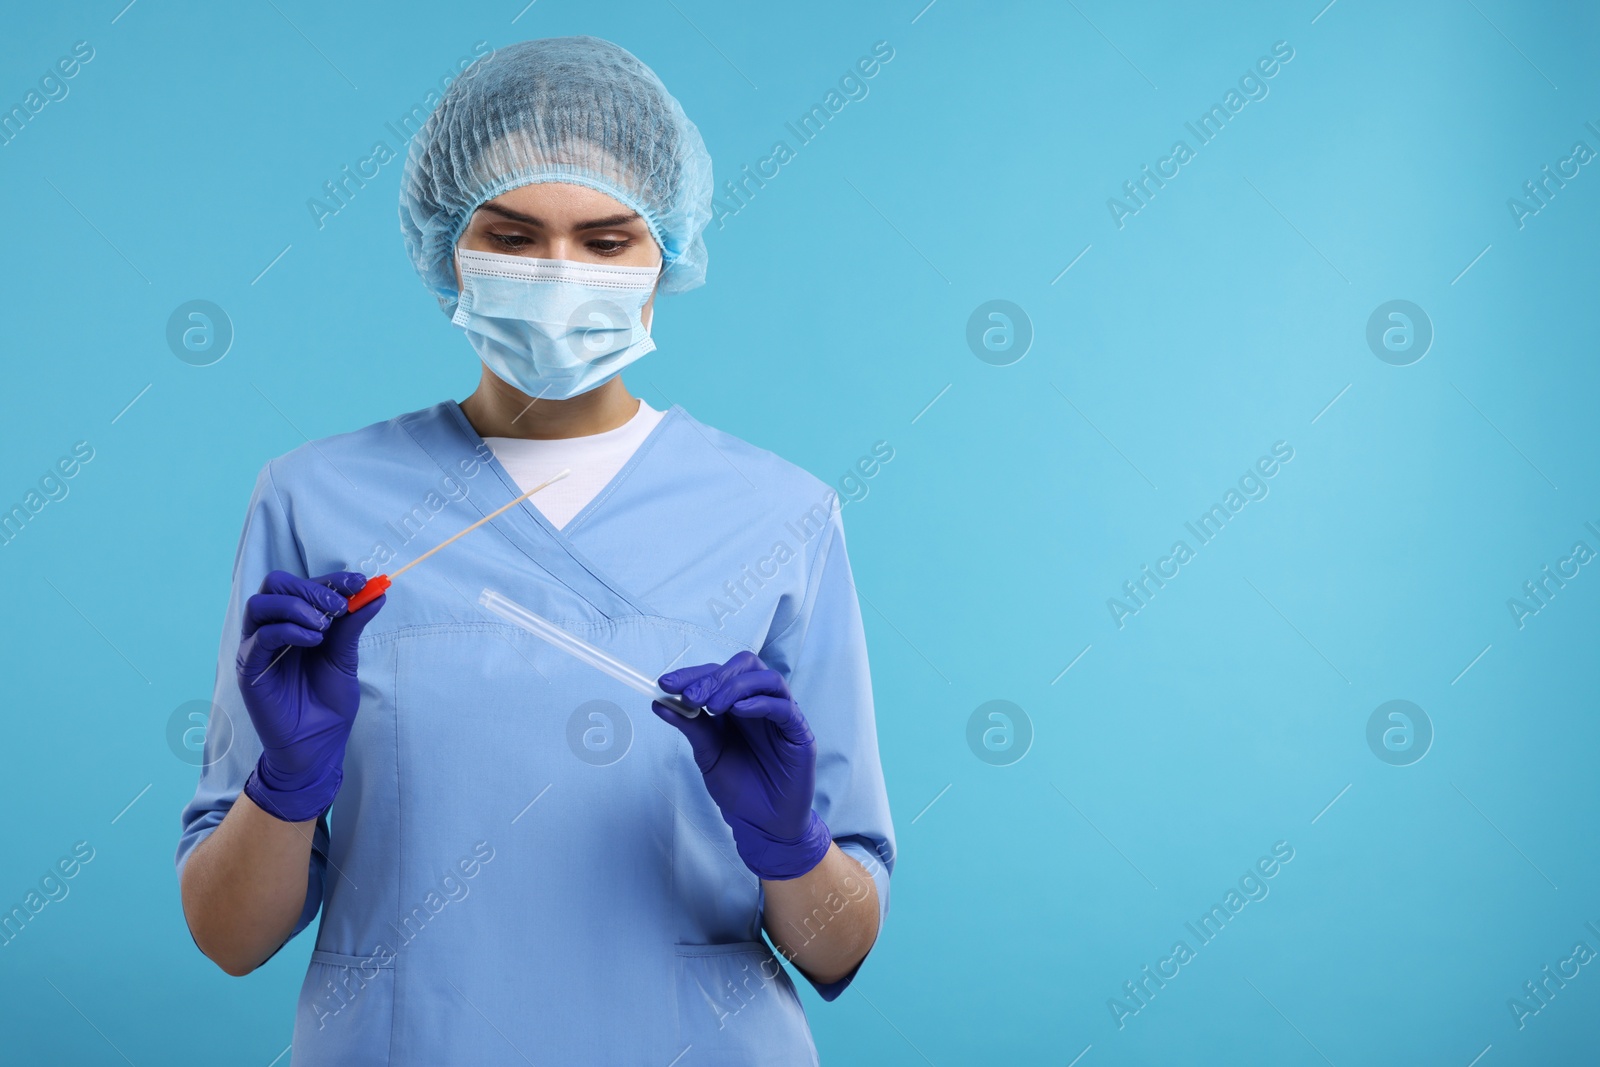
(759, 760)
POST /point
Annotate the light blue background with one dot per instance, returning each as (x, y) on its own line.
(1223, 317)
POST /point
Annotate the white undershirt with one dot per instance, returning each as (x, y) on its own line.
(594, 460)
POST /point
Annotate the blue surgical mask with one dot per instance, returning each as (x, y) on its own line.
(551, 327)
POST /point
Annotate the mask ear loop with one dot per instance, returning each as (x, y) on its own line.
(655, 291)
(463, 300)
(461, 278)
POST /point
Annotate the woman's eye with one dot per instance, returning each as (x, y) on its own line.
(508, 240)
(609, 248)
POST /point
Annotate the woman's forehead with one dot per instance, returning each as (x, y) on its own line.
(561, 203)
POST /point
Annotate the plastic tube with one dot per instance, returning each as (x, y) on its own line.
(578, 648)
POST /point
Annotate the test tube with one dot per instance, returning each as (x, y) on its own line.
(578, 648)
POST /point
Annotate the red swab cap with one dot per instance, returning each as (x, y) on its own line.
(376, 586)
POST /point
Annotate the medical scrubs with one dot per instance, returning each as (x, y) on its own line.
(523, 864)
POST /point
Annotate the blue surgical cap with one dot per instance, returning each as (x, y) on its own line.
(563, 109)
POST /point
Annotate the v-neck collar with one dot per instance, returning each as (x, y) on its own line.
(645, 444)
(445, 434)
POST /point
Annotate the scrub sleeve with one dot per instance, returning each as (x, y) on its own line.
(231, 746)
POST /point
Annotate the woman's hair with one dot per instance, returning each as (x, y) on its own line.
(563, 109)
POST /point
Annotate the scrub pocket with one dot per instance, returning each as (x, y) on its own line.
(736, 1005)
(346, 1010)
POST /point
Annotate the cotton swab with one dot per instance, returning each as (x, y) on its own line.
(378, 584)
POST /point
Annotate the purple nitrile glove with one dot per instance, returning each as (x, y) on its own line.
(297, 674)
(759, 760)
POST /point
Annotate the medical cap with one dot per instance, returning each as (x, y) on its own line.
(562, 109)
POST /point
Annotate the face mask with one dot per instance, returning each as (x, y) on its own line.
(551, 327)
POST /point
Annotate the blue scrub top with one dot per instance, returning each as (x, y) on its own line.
(523, 863)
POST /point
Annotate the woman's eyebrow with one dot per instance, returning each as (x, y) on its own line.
(609, 220)
(592, 224)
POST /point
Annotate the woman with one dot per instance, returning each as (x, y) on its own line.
(513, 863)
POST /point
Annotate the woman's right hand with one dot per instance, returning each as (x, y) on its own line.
(297, 674)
